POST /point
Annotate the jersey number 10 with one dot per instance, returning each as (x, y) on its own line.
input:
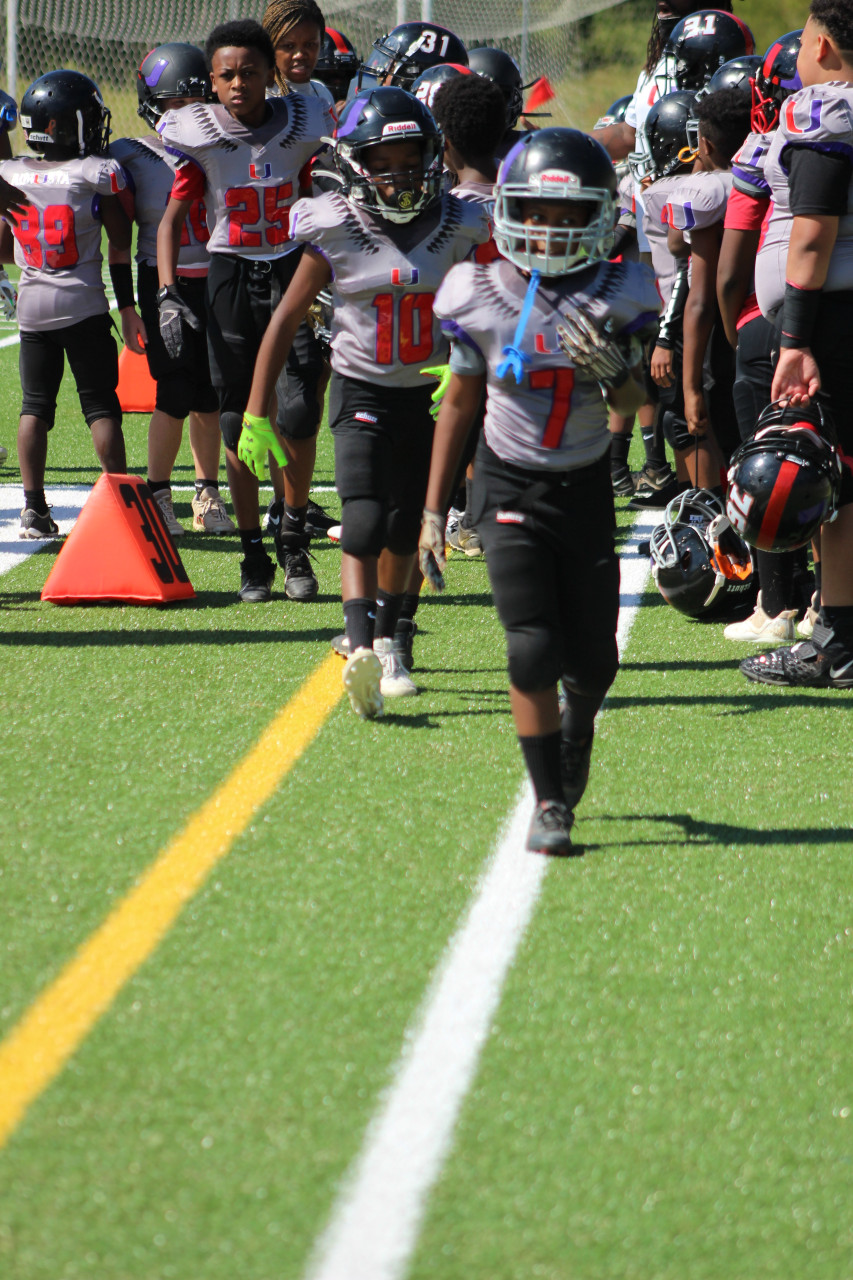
(411, 326)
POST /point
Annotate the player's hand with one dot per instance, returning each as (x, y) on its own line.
(258, 438)
(8, 297)
(660, 366)
(432, 551)
(133, 330)
(696, 413)
(797, 377)
(444, 374)
(174, 316)
(592, 351)
(11, 199)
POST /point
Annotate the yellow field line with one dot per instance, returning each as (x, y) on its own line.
(37, 1048)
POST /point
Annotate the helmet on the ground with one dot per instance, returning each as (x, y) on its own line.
(699, 563)
(63, 115)
(337, 64)
(555, 164)
(173, 70)
(776, 79)
(406, 52)
(383, 115)
(499, 66)
(427, 85)
(615, 113)
(663, 139)
(784, 481)
(698, 46)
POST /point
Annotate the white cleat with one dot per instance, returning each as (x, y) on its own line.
(362, 681)
(396, 681)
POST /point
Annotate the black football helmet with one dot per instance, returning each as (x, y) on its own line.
(388, 114)
(8, 112)
(555, 164)
(664, 144)
(63, 116)
(737, 73)
(615, 113)
(427, 85)
(698, 46)
(776, 79)
(785, 480)
(337, 64)
(699, 564)
(502, 68)
(406, 52)
(170, 71)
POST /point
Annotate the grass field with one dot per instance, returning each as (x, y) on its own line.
(664, 1087)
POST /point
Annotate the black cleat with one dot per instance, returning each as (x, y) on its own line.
(300, 580)
(574, 769)
(623, 482)
(38, 527)
(256, 579)
(654, 488)
(550, 829)
(819, 663)
(404, 637)
(317, 521)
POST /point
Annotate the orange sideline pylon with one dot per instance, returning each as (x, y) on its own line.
(119, 549)
(136, 388)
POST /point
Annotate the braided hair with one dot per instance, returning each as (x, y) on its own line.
(282, 16)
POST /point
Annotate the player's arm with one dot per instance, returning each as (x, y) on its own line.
(7, 243)
(121, 276)
(618, 140)
(459, 407)
(734, 275)
(699, 316)
(627, 398)
(116, 222)
(169, 239)
(810, 248)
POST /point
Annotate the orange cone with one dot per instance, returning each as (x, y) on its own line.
(119, 549)
(136, 388)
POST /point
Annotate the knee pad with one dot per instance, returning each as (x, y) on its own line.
(675, 431)
(533, 657)
(598, 673)
(298, 416)
(230, 424)
(362, 526)
(404, 530)
(174, 396)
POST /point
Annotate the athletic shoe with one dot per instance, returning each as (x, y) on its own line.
(317, 521)
(300, 580)
(334, 534)
(256, 579)
(396, 681)
(163, 498)
(34, 526)
(209, 514)
(550, 829)
(464, 538)
(624, 484)
(807, 664)
(274, 513)
(806, 627)
(362, 681)
(574, 769)
(759, 627)
(655, 488)
(453, 517)
(404, 637)
(4, 453)
(340, 644)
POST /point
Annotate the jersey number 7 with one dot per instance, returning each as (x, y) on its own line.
(561, 384)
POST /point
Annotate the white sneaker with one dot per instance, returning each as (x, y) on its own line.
(163, 498)
(362, 677)
(334, 534)
(761, 628)
(396, 681)
(209, 514)
(807, 626)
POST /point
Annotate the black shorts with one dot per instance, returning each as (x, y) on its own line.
(241, 297)
(93, 357)
(383, 444)
(183, 385)
(754, 364)
(553, 567)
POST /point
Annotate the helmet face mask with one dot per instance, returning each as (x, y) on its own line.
(63, 116)
(551, 166)
(668, 138)
(384, 117)
(402, 55)
(173, 70)
(699, 564)
(775, 80)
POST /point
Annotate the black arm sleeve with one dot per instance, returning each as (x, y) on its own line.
(818, 181)
(670, 321)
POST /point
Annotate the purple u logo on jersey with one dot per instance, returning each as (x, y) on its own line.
(257, 172)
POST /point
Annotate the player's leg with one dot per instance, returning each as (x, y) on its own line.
(93, 360)
(41, 361)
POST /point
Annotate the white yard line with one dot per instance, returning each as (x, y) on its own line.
(66, 502)
(376, 1220)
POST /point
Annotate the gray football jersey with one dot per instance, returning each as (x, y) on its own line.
(477, 193)
(819, 117)
(58, 240)
(150, 179)
(556, 418)
(385, 278)
(655, 225)
(249, 178)
(698, 200)
(748, 166)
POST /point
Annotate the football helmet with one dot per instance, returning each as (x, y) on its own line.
(737, 73)
(170, 71)
(8, 112)
(663, 137)
(699, 564)
(337, 64)
(388, 114)
(698, 46)
(776, 79)
(615, 113)
(502, 68)
(555, 164)
(784, 481)
(406, 51)
(427, 85)
(63, 116)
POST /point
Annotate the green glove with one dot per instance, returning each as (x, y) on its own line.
(443, 373)
(257, 439)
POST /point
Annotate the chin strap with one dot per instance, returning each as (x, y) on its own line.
(514, 358)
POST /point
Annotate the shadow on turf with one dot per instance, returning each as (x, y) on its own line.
(134, 639)
(699, 832)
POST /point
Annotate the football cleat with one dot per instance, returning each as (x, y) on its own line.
(317, 521)
(404, 637)
(466, 539)
(35, 526)
(820, 663)
(551, 829)
(209, 514)
(624, 484)
(362, 676)
(574, 769)
(163, 498)
(256, 579)
(655, 488)
(396, 681)
(340, 644)
(812, 616)
(760, 627)
(300, 580)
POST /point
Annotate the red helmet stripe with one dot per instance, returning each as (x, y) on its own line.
(788, 473)
(747, 34)
(337, 40)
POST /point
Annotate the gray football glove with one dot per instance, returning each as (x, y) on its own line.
(592, 351)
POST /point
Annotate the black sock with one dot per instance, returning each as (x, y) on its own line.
(387, 613)
(206, 484)
(578, 719)
(34, 500)
(157, 486)
(542, 757)
(774, 576)
(466, 515)
(252, 542)
(294, 518)
(817, 580)
(654, 447)
(359, 618)
(840, 619)
(619, 449)
(409, 607)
